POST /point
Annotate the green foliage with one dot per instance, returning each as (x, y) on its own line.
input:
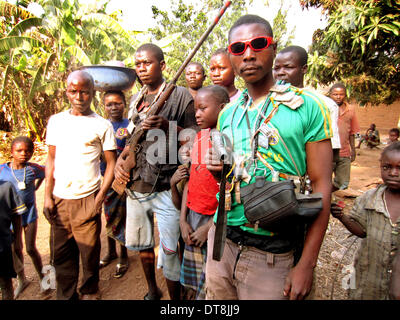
(361, 48)
(36, 53)
(177, 33)
(282, 37)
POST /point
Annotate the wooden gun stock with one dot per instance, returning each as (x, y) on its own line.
(138, 134)
(130, 161)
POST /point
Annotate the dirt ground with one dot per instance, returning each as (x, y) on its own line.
(337, 250)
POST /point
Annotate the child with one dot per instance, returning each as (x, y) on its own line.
(114, 204)
(221, 73)
(376, 218)
(11, 208)
(195, 76)
(199, 201)
(178, 182)
(371, 137)
(26, 178)
(393, 135)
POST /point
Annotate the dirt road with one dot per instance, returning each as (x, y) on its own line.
(132, 286)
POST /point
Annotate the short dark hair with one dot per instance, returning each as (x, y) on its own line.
(395, 130)
(219, 51)
(219, 93)
(299, 51)
(395, 146)
(156, 50)
(196, 64)
(23, 139)
(83, 74)
(338, 85)
(116, 92)
(251, 19)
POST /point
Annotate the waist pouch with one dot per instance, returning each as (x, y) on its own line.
(268, 203)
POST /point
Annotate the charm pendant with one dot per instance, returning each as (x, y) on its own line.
(21, 185)
(228, 201)
(237, 192)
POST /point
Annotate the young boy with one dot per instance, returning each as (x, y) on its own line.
(11, 209)
(114, 204)
(393, 135)
(195, 76)
(371, 137)
(221, 73)
(199, 201)
(26, 177)
(375, 217)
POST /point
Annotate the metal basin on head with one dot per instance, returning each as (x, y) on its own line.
(108, 78)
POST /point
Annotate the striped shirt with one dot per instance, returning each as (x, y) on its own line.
(374, 259)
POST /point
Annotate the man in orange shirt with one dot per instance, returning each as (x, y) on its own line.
(348, 127)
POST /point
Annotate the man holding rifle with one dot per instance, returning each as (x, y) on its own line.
(149, 182)
(258, 263)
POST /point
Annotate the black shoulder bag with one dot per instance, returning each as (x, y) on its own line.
(268, 204)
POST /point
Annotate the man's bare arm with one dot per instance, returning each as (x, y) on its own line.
(319, 168)
(352, 147)
(48, 207)
(110, 157)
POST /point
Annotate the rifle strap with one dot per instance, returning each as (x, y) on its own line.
(133, 113)
(134, 110)
(160, 91)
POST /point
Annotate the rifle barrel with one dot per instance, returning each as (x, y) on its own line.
(200, 42)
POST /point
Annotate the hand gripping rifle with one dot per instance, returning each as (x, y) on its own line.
(138, 132)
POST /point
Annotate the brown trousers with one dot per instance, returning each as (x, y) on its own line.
(76, 233)
(254, 275)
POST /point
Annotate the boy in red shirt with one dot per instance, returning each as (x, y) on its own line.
(199, 201)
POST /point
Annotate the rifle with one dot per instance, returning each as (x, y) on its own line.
(220, 229)
(138, 133)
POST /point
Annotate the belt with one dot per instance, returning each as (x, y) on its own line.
(263, 243)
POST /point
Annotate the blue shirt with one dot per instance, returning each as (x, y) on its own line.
(33, 172)
(120, 133)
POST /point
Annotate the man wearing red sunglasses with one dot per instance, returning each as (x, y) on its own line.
(295, 139)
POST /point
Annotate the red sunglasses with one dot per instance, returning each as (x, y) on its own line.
(256, 44)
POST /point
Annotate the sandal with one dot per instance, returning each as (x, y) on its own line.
(158, 296)
(106, 260)
(121, 270)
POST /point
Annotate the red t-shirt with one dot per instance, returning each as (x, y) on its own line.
(202, 187)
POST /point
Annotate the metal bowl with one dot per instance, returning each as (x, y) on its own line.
(108, 78)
